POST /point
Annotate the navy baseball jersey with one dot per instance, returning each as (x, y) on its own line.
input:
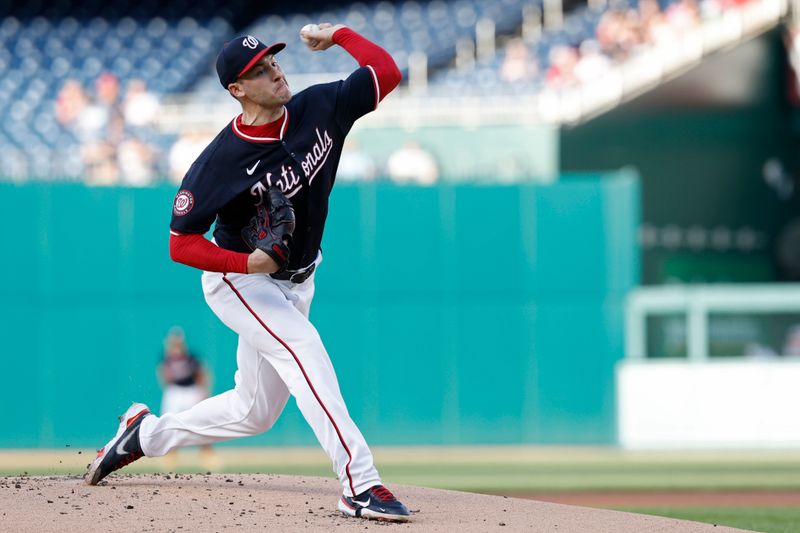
(182, 371)
(228, 180)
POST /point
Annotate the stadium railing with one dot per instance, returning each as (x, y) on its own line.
(696, 303)
(710, 400)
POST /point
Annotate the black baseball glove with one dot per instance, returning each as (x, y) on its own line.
(272, 227)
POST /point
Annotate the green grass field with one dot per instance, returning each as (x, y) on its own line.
(767, 519)
(508, 470)
(478, 469)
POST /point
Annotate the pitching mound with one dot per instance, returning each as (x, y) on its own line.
(247, 502)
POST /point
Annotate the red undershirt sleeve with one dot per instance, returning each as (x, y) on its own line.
(370, 54)
(196, 251)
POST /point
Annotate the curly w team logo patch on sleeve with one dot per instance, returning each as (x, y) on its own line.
(184, 201)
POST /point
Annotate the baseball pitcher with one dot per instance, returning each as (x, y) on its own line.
(265, 181)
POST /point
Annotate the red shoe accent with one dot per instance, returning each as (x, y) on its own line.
(132, 419)
(101, 451)
(128, 460)
(383, 494)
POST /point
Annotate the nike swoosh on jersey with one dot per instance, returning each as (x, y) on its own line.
(120, 449)
(253, 168)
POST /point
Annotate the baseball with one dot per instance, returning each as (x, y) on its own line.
(308, 27)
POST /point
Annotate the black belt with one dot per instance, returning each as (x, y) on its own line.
(295, 276)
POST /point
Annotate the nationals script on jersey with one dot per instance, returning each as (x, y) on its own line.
(228, 180)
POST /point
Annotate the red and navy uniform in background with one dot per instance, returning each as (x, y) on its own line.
(182, 371)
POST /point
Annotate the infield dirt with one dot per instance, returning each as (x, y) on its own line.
(250, 502)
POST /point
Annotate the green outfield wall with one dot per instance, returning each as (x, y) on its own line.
(453, 315)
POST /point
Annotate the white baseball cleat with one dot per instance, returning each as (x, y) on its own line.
(121, 450)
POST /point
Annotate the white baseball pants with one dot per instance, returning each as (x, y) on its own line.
(177, 398)
(280, 353)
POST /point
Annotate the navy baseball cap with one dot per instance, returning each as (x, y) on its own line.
(239, 55)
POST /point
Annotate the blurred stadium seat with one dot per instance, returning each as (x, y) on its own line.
(171, 46)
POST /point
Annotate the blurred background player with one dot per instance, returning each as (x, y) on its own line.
(412, 164)
(185, 383)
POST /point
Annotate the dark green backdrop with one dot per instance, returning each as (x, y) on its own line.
(700, 143)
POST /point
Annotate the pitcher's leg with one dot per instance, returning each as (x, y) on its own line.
(290, 342)
(252, 407)
(316, 390)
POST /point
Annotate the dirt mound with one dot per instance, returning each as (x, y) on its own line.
(246, 502)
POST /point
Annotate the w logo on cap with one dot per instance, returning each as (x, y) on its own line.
(238, 55)
(250, 42)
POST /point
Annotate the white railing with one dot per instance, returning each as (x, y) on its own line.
(697, 302)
